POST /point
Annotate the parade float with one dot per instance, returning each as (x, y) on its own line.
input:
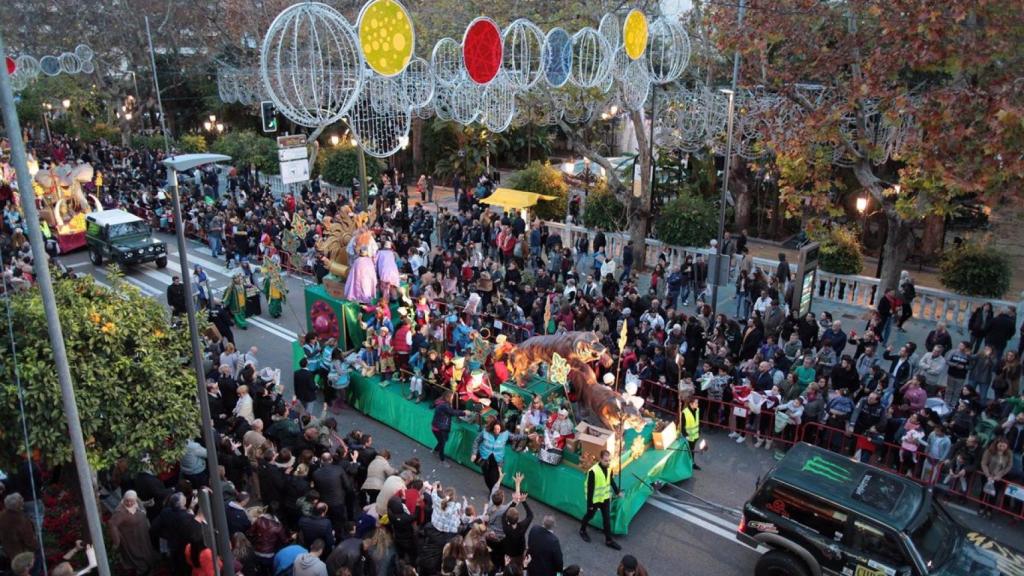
(63, 202)
(491, 376)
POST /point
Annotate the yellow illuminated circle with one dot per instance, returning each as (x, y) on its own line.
(634, 34)
(386, 37)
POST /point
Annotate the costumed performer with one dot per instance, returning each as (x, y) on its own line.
(387, 269)
(560, 428)
(234, 297)
(476, 387)
(502, 348)
(274, 288)
(361, 284)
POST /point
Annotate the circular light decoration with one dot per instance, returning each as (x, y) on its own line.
(634, 34)
(610, 29)
(591, 58)
(88, 67)
(668, 51)
(381, 130)
(499, 104)
(446, 62)
(522, 54)
(84, 53)
(465, 101)
(443, 105)
(49, 65)
(69, 63)
(28, 66)
(482, 50)
(675, 8)
(418, 83)
(386, 37)
(557, 57)
(636, 85)
(12, 65)
(311, 65)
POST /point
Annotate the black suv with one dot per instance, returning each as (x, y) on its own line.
(122, 238)
(819, 512)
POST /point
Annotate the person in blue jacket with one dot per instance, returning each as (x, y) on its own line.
(489, 449)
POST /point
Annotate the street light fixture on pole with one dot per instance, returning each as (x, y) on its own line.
(723, 201)
(174, 165)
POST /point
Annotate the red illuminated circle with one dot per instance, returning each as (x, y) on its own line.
(481, 50)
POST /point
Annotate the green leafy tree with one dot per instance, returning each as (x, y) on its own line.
(543, 178)
(688, 220)
(340, 165)
(840, 251)
(603, 210)
(249, 148)
(192, 143)
(976, 269)
(135, 391)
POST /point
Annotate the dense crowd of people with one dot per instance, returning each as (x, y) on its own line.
(309, 498)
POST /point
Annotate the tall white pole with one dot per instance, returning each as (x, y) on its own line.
(53, 328)
(220, 522)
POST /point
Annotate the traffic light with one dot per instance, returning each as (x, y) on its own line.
(269, 114)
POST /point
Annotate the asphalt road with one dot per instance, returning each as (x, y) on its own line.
(686, 529)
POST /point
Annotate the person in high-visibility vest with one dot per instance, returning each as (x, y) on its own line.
(691, 427)
(600, 486)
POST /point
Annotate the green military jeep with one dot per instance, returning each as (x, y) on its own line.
(123, 238)
(819, 512)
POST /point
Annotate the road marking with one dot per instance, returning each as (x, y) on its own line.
(287, 334)
(702, 514)
(704, 523)
(145, 288)
(270, 329)
(78, 265)
(163, 279)
(208, 264)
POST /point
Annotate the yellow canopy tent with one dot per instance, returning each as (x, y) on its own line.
(510, 199)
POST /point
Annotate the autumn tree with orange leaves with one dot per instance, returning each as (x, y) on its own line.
(953, 70)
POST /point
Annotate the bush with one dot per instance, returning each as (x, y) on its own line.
(101, 130)
(976, 270)
(148, 142)
(603, 210)
(840, 252)
(543, 178)
(249, 148)
(688, 220)
(340, 165)
(192, 143)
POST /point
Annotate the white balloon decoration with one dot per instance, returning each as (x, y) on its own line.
(417, 83)
(591, 58)
(446, 62)
(311, 65)
(499, 104)
(636, 85)
(668, 51)
(522, 57)
(380, 129)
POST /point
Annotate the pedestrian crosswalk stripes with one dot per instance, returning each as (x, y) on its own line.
(701, 519)
(153, 282)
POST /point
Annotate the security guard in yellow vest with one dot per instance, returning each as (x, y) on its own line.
(691, 424)
(599, 489)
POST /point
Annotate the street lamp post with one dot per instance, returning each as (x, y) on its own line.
(53, 324)
(724, 200)
(177, 164)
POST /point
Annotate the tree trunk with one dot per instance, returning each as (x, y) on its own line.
(739, 184)
(895, 249)
(931, 242)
